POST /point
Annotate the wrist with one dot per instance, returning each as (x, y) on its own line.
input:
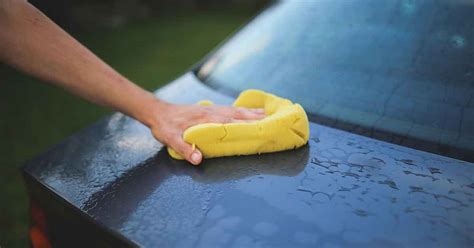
(153, 111)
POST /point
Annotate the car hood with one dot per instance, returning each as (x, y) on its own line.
(340, 189)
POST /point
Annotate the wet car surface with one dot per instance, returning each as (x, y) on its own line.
(340, 189)
(113, 185)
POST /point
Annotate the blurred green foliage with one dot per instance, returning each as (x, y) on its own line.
(34, 115)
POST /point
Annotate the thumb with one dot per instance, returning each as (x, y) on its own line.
(187, 151)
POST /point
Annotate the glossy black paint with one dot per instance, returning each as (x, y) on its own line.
(401, 71)
(341, 189)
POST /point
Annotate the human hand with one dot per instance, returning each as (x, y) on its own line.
(170, 122)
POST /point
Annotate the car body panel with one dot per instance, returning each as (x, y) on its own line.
(398, 71)
(340, 189)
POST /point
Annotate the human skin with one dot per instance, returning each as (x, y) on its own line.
(34, 44)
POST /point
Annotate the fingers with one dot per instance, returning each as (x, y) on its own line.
(232, 120)
(248, 114)
(257, 110)
(190, 153)
(179, 118)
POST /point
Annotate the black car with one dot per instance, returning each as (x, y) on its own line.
(389, 90)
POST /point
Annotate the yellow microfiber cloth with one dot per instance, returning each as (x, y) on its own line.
(285, 127)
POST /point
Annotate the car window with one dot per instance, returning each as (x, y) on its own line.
(402, 71)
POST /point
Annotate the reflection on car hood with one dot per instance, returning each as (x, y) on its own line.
(340, 189)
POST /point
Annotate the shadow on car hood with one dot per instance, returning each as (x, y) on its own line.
(340, 189)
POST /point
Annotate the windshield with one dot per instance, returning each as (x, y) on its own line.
(402, 71)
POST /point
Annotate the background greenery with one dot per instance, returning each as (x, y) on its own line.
(150, 50)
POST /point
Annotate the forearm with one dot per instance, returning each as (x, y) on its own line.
(34, 44)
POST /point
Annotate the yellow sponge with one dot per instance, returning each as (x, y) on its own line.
(285, 127)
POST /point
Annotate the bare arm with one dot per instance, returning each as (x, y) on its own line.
(34, 44)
